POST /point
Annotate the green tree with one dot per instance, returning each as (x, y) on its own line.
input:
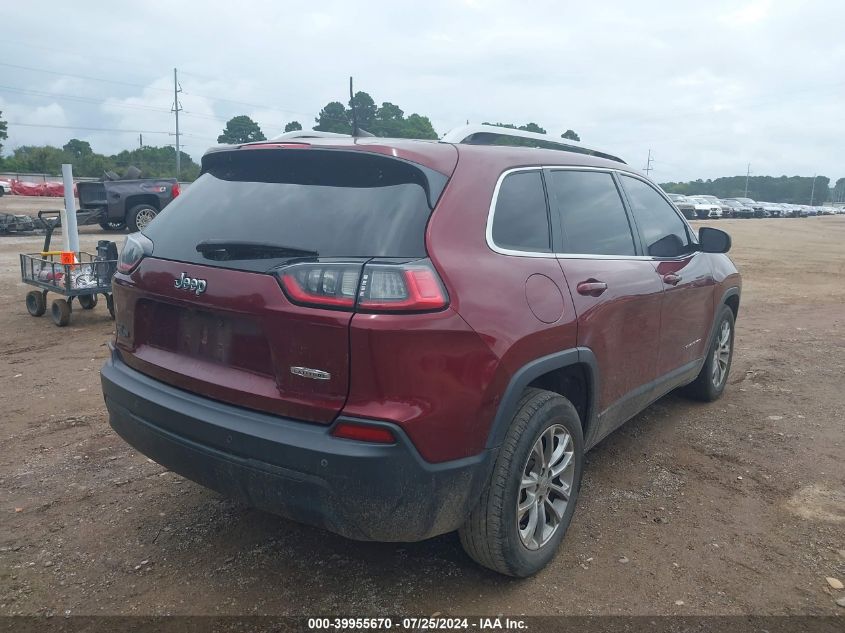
(241, 129)
(389, 121)
(365, 110)
(77, 149)
(532, 127)
(332, 118)
(44, 159)
(3, 134)
(571, 135)
(293, 126)
(418, 126)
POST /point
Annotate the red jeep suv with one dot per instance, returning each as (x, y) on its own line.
(393, 339)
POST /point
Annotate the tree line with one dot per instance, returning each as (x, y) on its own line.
(386, 120)
(790, 189)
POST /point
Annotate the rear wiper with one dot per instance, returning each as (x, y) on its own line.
(227, 249)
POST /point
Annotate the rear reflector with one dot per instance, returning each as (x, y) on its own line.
(364, 433)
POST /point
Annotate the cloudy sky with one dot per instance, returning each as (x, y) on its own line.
(707, 86)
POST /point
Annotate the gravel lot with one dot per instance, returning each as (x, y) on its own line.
(732, 508)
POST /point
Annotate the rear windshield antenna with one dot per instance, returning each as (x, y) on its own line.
(356, 131)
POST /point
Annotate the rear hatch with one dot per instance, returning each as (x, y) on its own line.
(252, 275)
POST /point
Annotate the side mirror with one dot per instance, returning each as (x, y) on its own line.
(713, 240)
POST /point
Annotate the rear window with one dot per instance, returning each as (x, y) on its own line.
(335, 203)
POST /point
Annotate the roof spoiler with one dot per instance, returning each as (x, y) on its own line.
(491, 135)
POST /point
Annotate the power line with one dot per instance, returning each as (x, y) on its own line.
(59, 95)
(86, 77)
(93, 129)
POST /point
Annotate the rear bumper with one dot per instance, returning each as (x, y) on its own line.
(294, 469)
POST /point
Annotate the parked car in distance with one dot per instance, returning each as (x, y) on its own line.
(132, 202)
(685, 206)
(5, 187)
(738, 209)
(757, 206)
(772, 209)
(727, 211)
(705, 208)
(258, 320)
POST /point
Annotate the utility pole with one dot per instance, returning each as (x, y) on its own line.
(648, 166)
(747, 174)
(177, 107)
(140, 141)
(813, 190)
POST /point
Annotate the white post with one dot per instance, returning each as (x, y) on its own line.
(70, 234)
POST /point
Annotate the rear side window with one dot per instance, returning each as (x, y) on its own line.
(521, 218)
(663, 231)
(333, 203)
(591, 212)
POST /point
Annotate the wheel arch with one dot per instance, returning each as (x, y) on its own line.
(572, 373)
(142, 198)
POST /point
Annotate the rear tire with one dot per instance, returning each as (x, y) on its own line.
(711, 380)
(139, 216)
(499, 533)
(60, 311)
(110, 305)
(88, 302)
(36, 305)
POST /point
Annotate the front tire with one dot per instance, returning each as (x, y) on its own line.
(528, 504)
(139, 216)
(60, 312)
(36, 304)
(711, 380)
(88, 302)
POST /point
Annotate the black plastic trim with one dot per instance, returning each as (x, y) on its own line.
(361, 490)
(536, 368)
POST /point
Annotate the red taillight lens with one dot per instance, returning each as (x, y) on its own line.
(136, 247)
(175, 190)
(413, 287)
(323, 285)
(364, 433)
(405, 288)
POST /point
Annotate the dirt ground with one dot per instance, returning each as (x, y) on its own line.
(737, 507)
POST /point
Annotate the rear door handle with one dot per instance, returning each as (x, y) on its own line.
(672, 279)
(591, 287)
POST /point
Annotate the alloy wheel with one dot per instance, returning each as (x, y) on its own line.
(545, 487)
(144, 217)
(722, 354)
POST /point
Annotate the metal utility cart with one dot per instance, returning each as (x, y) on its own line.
(84, 278)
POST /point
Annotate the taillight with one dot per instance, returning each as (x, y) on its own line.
(322, 285)
(175, 190)
(404, 288)
(135, 248)
(380, 287)
(363, 432)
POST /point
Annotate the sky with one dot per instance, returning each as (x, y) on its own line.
(708, 87)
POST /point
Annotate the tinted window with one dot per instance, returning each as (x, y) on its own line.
(593, 218)
(662, 230)
(339, 204)
(521, 221)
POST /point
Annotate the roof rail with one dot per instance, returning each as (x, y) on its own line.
(287, 136)
(488, 135)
